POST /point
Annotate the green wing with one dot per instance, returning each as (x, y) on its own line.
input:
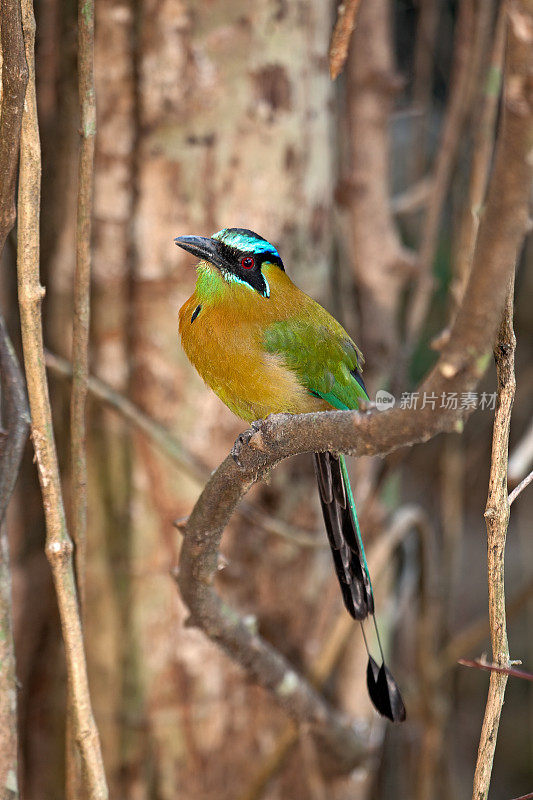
(323, 357)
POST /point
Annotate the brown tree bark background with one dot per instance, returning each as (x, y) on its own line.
(223, 114)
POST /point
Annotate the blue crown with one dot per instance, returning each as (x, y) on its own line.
(245, 240)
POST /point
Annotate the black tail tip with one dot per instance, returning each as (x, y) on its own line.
(384, 692)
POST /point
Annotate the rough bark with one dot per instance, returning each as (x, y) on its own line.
(497, 520)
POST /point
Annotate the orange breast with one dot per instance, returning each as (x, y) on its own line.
(224, 343)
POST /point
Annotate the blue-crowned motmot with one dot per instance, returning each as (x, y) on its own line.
(265, 347)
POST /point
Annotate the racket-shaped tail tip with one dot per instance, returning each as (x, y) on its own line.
(384, 692)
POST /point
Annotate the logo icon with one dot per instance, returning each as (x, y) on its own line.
(384, 400)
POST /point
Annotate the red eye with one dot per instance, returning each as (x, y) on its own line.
(247, 262)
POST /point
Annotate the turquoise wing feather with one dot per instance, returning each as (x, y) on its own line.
(323, 357)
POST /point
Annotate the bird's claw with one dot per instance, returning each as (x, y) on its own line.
(243, 439)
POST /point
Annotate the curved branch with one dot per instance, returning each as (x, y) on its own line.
(463, 361)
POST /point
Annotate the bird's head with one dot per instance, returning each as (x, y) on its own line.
(238, 254)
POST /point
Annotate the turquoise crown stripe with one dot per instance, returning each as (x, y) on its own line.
(245, 242)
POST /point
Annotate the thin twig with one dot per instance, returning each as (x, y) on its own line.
(136, 417)
(497, 520)
(82, 281)
(58, 542)
(413, 198)
(431, 707)
(272, 764)
(424, 55)
(507, 671)
(463, 360)
(474, 633)
(486, 13)
(452, 515)
(371, 82)
(80, 338)
(340, 38)
(520, 488)
(450, 138)
(481, 160)
(313, 778)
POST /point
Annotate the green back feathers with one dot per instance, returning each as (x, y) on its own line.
(323, 357)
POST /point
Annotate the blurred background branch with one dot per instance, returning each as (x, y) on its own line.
(463, 71)
(80, 340)
(520, 488)
(371, 86)
(82, 282)
(340, 39)
(522, 457)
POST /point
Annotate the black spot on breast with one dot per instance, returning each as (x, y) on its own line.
(195, 313)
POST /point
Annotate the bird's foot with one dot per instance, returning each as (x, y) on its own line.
(243, 439)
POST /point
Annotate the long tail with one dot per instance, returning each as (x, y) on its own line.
(349, 559)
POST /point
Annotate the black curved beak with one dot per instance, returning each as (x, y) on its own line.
(204, 248)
